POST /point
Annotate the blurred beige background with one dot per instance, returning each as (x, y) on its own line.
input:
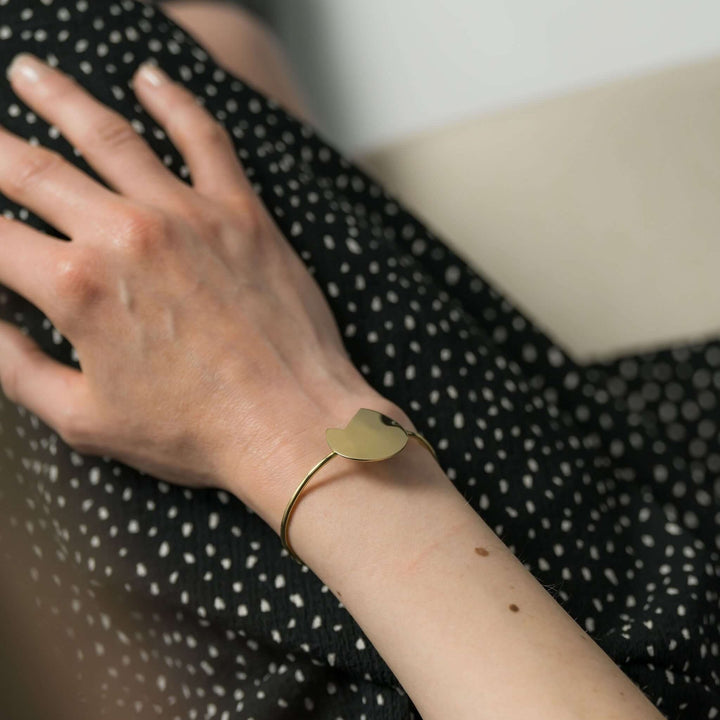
(597, 213)
(567, 150)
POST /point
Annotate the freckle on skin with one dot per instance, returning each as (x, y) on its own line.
(514, 607)
(481, 551)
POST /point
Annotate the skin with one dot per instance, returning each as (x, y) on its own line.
(242, 44)
(468, 631)
(234, 296)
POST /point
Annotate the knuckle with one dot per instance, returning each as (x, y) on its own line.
(143, 231)
(111, 132)
(209, 132)
(196, 124)
(77, 279)
(74, 430)
(37, 165)
(246, 210)
(203, 220)
(244, 204)
(249, 216)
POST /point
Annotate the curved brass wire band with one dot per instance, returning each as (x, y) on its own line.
(306, 479)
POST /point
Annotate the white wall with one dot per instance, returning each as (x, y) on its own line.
(376, 70)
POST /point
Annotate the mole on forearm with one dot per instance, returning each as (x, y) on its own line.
(484, 553)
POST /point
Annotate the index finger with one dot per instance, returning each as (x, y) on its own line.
(105, 138)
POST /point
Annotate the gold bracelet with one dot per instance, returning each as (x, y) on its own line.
(368, 437)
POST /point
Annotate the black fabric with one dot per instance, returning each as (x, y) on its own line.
(161, 600)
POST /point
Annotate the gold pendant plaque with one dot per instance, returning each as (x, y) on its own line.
(370, 435)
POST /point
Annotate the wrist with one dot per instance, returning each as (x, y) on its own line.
(355, 519)
(288, 458)
(359, 522)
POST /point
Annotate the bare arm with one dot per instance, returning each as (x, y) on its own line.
(468, 634)
(467, 630)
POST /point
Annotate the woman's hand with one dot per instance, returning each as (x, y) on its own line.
(209, 355)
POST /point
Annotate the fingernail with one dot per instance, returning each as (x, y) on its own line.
(152, 74)
(27, 66)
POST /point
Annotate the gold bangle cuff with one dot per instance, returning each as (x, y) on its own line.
(370, 436)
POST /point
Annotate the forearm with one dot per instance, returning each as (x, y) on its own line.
(467, 630)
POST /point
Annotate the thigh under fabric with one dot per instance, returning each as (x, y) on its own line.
(170, 602)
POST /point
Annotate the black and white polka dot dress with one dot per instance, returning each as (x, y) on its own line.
(161, 601)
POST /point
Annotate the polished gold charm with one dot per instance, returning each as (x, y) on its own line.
(368, 437)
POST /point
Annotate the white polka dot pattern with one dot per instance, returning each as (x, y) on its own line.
(176, 603)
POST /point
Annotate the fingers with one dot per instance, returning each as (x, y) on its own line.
(204, 143)
(28, 259)
(44, 182)
(53, 391)
(104, 137)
